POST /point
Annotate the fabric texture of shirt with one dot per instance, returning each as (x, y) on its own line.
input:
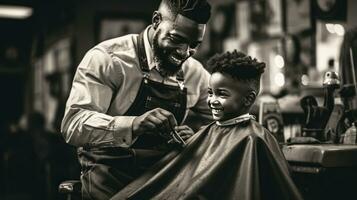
(106, 84)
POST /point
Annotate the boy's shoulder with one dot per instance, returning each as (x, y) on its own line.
(254, 130)
(260, 133)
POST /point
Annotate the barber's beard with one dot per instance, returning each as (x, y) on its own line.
(161, 56)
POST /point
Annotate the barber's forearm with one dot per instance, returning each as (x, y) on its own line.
(82, 127)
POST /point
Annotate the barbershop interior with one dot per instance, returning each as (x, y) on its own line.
(307, 100)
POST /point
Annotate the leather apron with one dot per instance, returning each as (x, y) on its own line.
(107, 169)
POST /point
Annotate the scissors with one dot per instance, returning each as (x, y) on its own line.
(176, 138)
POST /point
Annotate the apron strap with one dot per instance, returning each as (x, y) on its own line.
(141, 53)
(180, 76)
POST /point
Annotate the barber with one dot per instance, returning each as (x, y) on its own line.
(129, 93)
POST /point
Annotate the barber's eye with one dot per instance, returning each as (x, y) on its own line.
(174, 40)
(194, 45)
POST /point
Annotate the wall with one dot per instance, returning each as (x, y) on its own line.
(88, 13)
(351, 14)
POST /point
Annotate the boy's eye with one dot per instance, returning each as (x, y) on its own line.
(210, 92)
(223, 94)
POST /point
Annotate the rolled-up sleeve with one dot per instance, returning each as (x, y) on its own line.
(85, 121)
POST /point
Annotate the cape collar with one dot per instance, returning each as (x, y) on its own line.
(236, 120)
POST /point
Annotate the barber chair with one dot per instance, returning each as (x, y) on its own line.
(323, 171)
(318, 117)
(71, 188)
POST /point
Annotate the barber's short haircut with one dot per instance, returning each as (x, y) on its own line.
(196, 10)
(239, 66)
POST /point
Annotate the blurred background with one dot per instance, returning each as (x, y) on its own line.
(42, 42)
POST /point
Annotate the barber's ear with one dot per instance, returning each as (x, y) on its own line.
(250, 98)
(156, 19)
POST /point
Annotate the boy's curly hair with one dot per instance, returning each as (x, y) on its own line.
(239, 66)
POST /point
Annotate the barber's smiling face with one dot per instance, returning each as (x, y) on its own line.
(175, 40)
(226, 96)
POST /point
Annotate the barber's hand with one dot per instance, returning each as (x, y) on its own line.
(157, 120)
(184, 131)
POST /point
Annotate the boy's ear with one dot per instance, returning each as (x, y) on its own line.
(156, 19)
(250, 98)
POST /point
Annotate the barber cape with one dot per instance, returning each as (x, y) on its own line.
(238, 159)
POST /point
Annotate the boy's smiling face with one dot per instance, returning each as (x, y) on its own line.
(227, 97)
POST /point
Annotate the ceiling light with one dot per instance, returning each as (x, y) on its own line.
(279, 79)
(279, 61)
(17, 12)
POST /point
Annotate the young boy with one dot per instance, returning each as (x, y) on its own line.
(232, 158)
